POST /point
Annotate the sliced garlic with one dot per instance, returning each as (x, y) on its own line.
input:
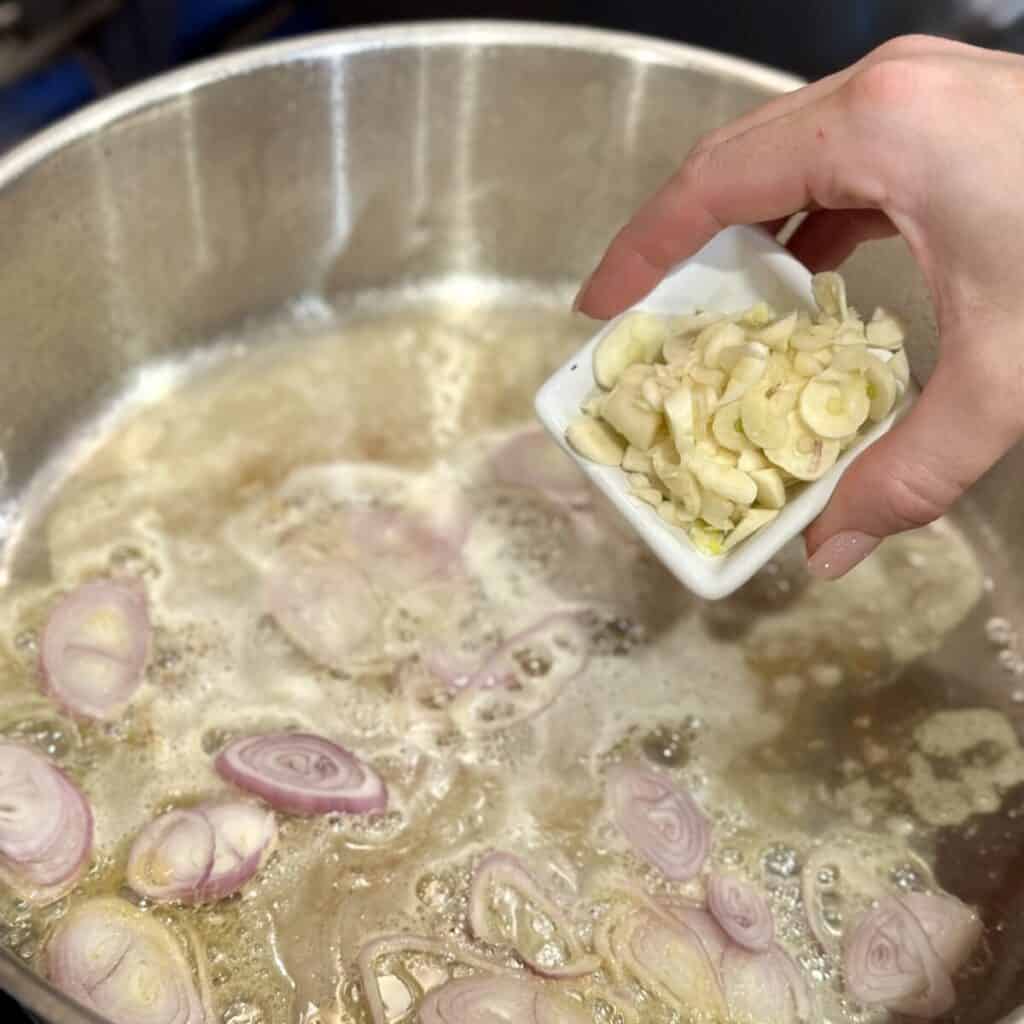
(713, 417)
(732, 484)
(830, 294)
(714, 340)
(727, 428)
(835, 404)
(777, 335)
(716, 511)
(714, 379)
(771, 488)
(751, 522)
(807, 364)
(884, 330)
(751, 459)
(637, 338)
(679, 481)
(636, 461)
(765, 408)
(679, 413)
(706, 540)
(812, 338)
(631, 416)
(596, 441)
(758, 315)
(747, 372)
(805, 455)
(882, 388)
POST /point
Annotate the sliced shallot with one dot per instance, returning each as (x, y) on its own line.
(401, 945)
(497, 1000)
(699, 921)
(742, 911)
(302, 774)
(888, 961)
(952, 927)
(202, 854)
(399, 548)
(757, 987)
(505, 903)
(46, 826)
(662, 822)
(124, 965)
(669, 960)
(524, 676)
(532, 459)
(94, 648)
(327, 609)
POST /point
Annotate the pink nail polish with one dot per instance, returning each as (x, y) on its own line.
(839, 554)
(579, 295)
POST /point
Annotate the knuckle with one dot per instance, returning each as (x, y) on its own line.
(916, 497)
(909, 45)
(884, 85)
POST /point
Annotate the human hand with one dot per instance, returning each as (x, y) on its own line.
(923, 137)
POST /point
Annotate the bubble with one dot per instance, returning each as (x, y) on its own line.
(782, 861)
(434, 891)
(667, 746)
(999, 632)
(906, 877)
(1010, 661)
(27, 641)
(243, 1013)
(214, 740)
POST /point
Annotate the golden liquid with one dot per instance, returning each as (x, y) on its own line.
(738, 700)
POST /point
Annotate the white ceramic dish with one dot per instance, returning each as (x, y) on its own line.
(739, 267)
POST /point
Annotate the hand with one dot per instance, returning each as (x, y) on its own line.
(925, 138)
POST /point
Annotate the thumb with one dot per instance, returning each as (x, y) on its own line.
(967, 417)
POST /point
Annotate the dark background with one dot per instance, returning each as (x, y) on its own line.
(58, 55)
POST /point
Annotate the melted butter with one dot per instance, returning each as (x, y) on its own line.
(194, 494)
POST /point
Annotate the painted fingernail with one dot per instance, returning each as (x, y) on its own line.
(839, 554)
(579, 295)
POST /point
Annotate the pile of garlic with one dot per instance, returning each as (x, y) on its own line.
(716, 418)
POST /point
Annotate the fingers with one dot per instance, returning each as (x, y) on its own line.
(826, 237)
(913, 475)
(811, 156)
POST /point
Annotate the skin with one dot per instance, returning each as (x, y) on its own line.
(925, 138)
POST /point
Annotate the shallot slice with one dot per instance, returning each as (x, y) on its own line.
(668, 959)
(94, 648)
(758, 987)
(398, 945)
(662, 822)
(524, 676)
(328, 610)
(302, 774)
(888, 961)
(504, 892)
(952, 927)
(701, 923)
(46, 826)
(202, 854)
(399, 548)
(742, 911)
(498, 1000)
(172, 857)
(532, 459)
(122, 964)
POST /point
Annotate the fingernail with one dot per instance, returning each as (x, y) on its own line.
(839, 554)
(579, 295)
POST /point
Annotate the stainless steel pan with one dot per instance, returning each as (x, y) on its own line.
(161, 217)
